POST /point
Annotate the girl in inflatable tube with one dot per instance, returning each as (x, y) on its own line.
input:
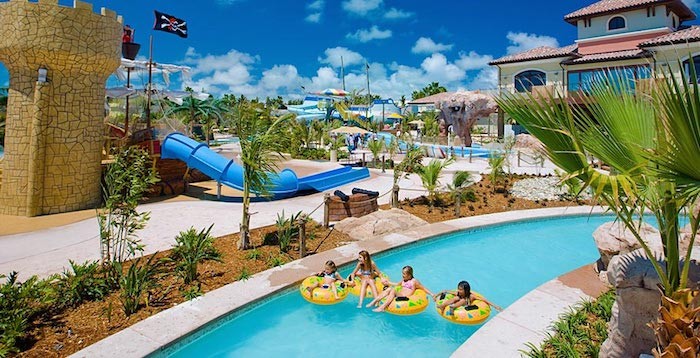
(367, 272)
(407, 290)
(464, 306)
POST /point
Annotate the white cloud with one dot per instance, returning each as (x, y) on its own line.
(361, 7)
(521, 41)
(316, 11)
(439, 68)
(427, 45)
(236, 72)
(333, 57)
(366, 35)
(473, 61)
(315, 17)
(397, 14)
(487, 78)
(316, 5)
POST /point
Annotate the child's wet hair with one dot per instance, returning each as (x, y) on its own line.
(367, 264)
(331, 264)
(409, 270)
(464, 285)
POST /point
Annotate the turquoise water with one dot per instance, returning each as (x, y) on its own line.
(502, 262)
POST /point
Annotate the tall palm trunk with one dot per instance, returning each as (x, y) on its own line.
(244, 242)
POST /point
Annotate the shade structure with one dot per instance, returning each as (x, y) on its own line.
(395, 116)
(417, 122)
(332, 92)
(349, 130)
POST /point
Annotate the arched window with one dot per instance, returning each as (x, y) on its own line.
(616, 23)
(524, 81)
(695, 62)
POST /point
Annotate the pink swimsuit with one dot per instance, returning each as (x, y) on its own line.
(409, 285)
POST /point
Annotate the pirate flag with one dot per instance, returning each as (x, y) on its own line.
(171, 24)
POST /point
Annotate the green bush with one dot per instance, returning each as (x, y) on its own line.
(310, 153)
(191, 248)
(579, 333)
(137, 281)
(287, 229)
(276, 260)
(84, 282)
(20, 304)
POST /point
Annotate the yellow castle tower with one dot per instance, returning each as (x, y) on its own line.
(59, 59)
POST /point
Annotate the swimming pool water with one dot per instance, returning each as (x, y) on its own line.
(502, 262)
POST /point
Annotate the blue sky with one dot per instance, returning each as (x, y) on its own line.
(269, 48)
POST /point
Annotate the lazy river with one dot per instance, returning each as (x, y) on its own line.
(502, 262)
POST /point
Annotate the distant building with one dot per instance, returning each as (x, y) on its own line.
(629, 38)
(426, 103)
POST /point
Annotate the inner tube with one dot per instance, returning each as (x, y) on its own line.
(416, 303)
(322, 295)
(476, 313)
(355, 290)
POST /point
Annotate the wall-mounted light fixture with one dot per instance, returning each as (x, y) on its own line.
(43, 74)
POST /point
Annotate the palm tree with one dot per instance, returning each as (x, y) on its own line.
(651, 143)
(429, 90)
(375, 146)
(208, 112)
(261, 145)
(430, 177)
(460, 181)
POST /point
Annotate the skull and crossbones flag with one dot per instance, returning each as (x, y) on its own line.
(171, 24)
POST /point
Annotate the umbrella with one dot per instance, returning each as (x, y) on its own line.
(418, 122)
(349, 130)
(332, 92)
(395, 116)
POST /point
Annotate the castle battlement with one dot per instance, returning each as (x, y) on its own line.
(80, 5)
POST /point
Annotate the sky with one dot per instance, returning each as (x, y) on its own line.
(274, 47)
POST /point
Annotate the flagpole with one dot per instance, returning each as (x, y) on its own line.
(342, 71)
(150, 79)
(369, 94)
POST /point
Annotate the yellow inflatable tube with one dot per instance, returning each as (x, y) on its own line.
(355, 290)
(476, 313)
(322, 295)
(415, 304)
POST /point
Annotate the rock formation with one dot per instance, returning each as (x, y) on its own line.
(636, 304)
(462, 109)
(378, 223)
(613, 238)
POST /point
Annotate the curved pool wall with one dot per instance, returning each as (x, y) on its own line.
(195, 319)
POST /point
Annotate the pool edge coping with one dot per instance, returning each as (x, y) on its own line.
(156, 333)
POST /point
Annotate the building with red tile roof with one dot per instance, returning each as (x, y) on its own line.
(627, 38)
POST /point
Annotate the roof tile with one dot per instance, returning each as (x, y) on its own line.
(606, 6)
(609, 56)
(536, 54)
(691, 34)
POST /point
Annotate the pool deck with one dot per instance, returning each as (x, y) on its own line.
(524, 321)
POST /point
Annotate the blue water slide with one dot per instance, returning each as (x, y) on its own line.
(225, 171)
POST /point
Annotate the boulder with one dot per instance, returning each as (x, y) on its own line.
(527, 141)
(636, 304)
(378, 223)
(613, 238)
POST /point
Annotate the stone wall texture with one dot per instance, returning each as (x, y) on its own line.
(54, 130)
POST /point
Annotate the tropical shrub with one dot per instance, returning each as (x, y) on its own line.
(376, 146)
(190, 249)
(125, 183)
(137, 281)
(430, 177)
(578, 333)
(20, 304)
(83, 282)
